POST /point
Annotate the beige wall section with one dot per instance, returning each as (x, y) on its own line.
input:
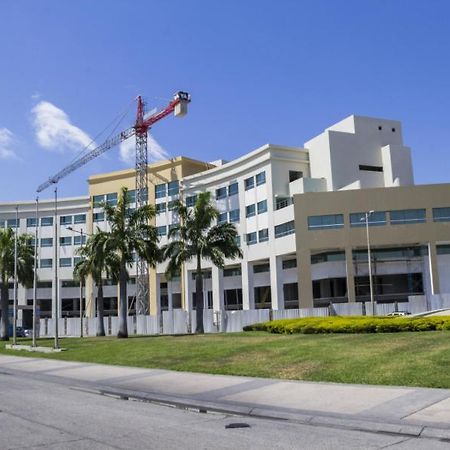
(349, 238)
(158, 173)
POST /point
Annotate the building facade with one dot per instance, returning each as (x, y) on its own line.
(298, 212)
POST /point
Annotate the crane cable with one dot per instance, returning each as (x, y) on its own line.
(119, 117)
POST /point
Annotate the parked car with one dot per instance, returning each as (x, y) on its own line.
(20, 332)
(399, 313)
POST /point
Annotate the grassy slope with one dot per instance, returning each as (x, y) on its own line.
(413, 359)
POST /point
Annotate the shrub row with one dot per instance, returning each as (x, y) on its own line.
(356, 324)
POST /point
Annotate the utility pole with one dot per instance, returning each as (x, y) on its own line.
(15, 280)
(36, 243)
(56, 281)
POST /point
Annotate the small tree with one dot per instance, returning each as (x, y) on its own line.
(25, 264)
(130, 234)
(197, 237)
(95, 261)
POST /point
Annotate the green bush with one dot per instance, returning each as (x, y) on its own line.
(355, 324)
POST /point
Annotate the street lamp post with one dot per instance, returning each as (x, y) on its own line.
(15, 279)
(369, 257)
(36, 240)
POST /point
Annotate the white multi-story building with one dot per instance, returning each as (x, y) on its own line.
(296, 218)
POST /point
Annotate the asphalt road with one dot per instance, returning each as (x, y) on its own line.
(37, 414)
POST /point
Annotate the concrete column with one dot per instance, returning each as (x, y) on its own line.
(58, 299)
(434, 271)
(217, 289)
(187, 290)
(154, 294)
(169, 295)
(350, 269)
(276, 282)
(305, 291)
(248, 294)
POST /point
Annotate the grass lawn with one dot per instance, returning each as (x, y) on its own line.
(408, 359)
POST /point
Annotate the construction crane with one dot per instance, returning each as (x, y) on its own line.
(178, 106)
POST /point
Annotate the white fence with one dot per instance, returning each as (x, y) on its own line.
(179, 321)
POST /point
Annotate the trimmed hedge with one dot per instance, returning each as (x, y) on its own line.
(352, 324)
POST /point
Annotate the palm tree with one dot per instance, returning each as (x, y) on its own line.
(95, 261)
(197, 237)
(130, 235)
(25, 264)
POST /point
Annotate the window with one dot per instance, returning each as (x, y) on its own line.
(233, 189)
(443, 249)
(63, 241)
(262, 207)
(221, 193)
(407, 216)
(327, 257)
(160, 190)
(12, 223)
(160, 208)
(370, 168)
(79, 240)
(162, 230)
(260, 178)
(99, 217)
(249, 183)
(205, 273)
(131, 196)
(46, 263)
(251, 238)
(222, 218)
(47, 222)
(377, 218)
(290, 292)
(190, 201)
(65, 262)
(46, 242)
(172, 204)
(393, 130)
(69, 284)
(44, 284)
(111, 199)
(289, 264)
(283, 203)
(235, 215)
(232, 272)
(441, 214)
(233, 299)
(250, 210)
(65, 220)
(263, 235)
(31, 222)
(262, 297)
(295, 175)
(261, 268)
(329, 221)
(76, 260)
(97, 200)
(173, 188)
(79, 218)
(173, 226)
(284, 229)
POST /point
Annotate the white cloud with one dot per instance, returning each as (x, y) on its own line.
(6, 144)
(54, 131)
(128, 150)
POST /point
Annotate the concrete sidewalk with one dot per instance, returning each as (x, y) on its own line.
(401, 410)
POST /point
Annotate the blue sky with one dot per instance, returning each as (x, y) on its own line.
(258, 71)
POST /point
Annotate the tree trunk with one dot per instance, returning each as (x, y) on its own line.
(100, 310)
(123, 303)
(199, 296)
(4, 306)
